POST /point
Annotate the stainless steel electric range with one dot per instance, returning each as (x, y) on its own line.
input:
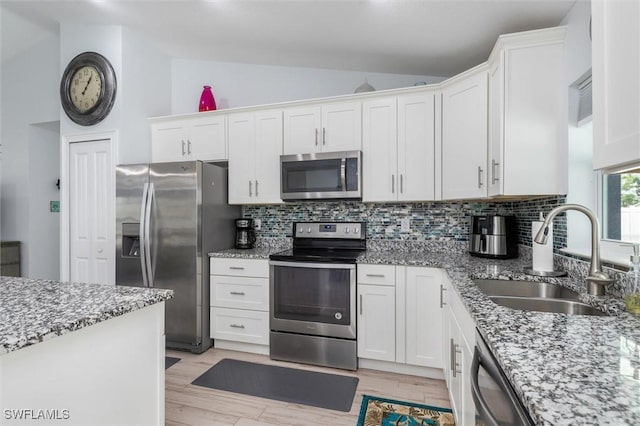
(312, 295)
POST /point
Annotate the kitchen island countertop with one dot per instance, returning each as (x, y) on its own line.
(34, 310)
(567, 369)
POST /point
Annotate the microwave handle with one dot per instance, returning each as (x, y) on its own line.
(343, 173)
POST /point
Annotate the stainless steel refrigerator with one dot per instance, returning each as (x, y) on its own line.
(169, 216)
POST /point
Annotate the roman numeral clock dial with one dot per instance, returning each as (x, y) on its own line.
(88, 88)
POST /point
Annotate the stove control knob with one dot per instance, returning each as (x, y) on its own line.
(309, 230)
(346, 230)
(355, 230)
(301, 229)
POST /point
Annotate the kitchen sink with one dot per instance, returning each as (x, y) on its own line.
(559, 306)
(535, 296)
(515, 288)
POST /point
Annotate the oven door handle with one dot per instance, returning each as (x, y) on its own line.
(312, 265)
(481, 405)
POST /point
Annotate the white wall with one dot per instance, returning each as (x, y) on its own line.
(239, 85)
(580, 165)
(43, 240)
(29, 93)
(145, 92)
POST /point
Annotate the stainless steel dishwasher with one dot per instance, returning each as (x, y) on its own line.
(496, 402)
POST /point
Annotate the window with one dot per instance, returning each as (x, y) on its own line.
(621, 207)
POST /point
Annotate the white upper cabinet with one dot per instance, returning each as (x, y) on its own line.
(528, 115)
(328, 127)
(616, 82)
(399, 148)
(189, 138)
(255, 146)
(464, 136)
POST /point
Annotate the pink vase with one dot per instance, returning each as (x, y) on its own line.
(207, 103)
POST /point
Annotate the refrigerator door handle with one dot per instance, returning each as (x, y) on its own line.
(147, 227)
(143, 239)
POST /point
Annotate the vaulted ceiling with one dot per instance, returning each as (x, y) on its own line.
(421, 37)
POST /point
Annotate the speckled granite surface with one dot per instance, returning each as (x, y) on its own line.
(567, 370)
(262, 249)
(32, 311)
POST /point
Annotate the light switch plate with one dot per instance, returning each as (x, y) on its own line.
(405, 224)
(257, 224)
(54, 206)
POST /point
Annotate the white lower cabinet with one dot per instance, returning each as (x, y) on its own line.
(458, 344)
(240, 304)
(400, 315)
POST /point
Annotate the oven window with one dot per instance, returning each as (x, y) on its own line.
(312, 294)
(311, 176)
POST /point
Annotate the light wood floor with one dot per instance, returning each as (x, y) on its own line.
(187, 404)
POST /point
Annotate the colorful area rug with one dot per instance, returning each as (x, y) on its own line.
(376, 411)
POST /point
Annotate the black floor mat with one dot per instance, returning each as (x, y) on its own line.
(169, 361)
(322, 390)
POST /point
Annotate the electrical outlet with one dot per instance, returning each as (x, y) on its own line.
(257, 224)
(405, 224)
(54, 206)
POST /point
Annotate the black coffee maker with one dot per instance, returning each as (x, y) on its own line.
(245, 234)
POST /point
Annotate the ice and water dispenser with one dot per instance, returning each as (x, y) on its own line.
(130, 240)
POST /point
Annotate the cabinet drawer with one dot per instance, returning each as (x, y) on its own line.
(377, 274)
(239, 325)
(240, 292)
(240, 267)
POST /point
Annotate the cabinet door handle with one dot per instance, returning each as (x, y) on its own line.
(250, 189)
(236, 325)
(188, 146)
(360, 305)
(376, 275)
(442, 290)
(240, 268)
(316, 136)
(237, 293)
(494, 178)
(454, 358)
(479, 176)
(324, 136)
(183, 150)
(401, 189)
(256, 188)
(393, 184)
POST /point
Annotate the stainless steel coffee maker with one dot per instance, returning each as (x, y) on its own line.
(493, 236)
(245, 234)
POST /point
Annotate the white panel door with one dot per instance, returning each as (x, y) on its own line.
(616, 82)
(424, 317)
(302, 130)
(376, 322)
(341, 127)
(241, 158)
(91, 212)
(464, 138)
(168, 142)
(268, 148)
(416, 147)
(379, 153)
(207, 139)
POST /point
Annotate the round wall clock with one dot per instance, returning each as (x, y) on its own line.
(88, 88)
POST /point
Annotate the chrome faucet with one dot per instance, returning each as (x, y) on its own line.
(597, 280)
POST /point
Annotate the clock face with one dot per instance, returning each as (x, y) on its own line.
(85, 88)
(88, 88)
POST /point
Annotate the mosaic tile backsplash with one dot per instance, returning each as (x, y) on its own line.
(444, 221)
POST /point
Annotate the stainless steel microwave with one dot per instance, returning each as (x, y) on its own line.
(322, 175)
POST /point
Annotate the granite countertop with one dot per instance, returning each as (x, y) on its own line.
(32, 310)
(254, 253)
(567, 369)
